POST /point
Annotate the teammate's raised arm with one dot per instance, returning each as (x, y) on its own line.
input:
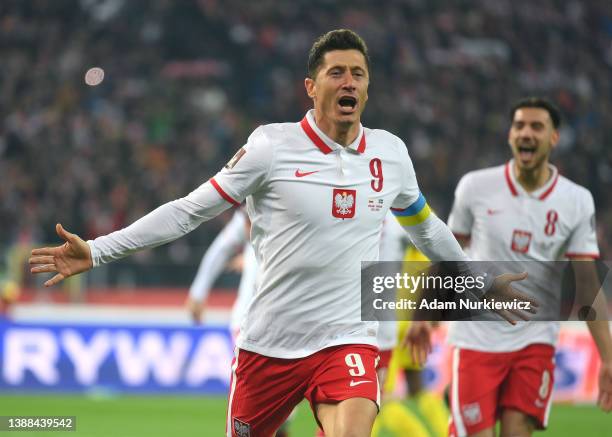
(232, 238)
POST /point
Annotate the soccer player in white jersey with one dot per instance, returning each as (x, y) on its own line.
(520, 211)
(235, 236)
(317, 193)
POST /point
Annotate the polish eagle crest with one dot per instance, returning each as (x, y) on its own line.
(344, 203)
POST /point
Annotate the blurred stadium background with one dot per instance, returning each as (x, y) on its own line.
(185, 83)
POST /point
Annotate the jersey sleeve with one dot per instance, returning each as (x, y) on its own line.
(244, 174)
(162, 225)
(247, 171)
(409, 207)
(461, 218)
(583, 240)
(428, 233)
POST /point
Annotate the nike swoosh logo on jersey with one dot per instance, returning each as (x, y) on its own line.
(299, 174)
(493, 211)
(354, 383)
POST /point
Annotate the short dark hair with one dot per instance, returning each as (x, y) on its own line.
(538, 102)
(339, 39)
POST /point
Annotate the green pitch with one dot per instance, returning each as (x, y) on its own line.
(157, 416)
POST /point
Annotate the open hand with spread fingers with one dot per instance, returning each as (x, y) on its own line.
(72, 257)
(502, 291)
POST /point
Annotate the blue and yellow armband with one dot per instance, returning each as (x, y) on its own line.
(414, 214)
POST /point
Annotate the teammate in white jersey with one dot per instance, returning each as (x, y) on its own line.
(521, 211)
(233, 239)
(317, 192)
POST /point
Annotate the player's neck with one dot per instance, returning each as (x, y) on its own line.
(342, 133)
(533, 179)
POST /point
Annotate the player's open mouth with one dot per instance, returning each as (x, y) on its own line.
(526, 153)
(347, 104)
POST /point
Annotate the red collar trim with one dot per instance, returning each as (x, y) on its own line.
(545, 194)
(514, 191)
(362, 143)
(314, 137)
(509, 180)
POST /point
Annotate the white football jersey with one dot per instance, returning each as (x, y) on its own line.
(235, 235)
(316, 210)
(505, 223)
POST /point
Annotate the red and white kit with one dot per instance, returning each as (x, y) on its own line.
(316, 210)
(504, 222)
(310, 209)
(330, 375)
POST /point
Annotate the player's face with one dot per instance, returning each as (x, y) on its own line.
(532, 137)
(340, 88)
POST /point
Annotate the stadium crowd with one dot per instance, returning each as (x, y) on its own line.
(185, 83)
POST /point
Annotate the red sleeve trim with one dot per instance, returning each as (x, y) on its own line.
(223, 193)
(582, 255)
(458, 235)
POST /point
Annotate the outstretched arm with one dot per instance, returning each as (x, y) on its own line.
(164, 224)
(246, 174)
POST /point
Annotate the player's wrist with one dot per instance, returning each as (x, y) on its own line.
(93, 254)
